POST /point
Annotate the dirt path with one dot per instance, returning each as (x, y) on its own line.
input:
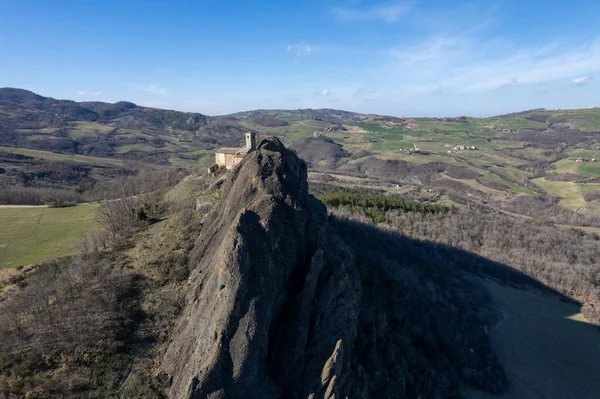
(546, 346)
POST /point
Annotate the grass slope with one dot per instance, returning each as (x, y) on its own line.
(53, 156)
(571, 194)
(31, 235)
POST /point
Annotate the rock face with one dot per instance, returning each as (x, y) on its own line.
(273, 300)
(278, 306)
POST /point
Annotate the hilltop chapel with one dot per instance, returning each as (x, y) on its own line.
(229, 157)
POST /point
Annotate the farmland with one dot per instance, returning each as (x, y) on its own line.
(530, 153)
(53, 156)
(33, 234)
(508, 150)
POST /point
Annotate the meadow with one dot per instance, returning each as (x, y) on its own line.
(31, 235)
(54, 156)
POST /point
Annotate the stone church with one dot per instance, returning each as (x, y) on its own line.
(229, 157)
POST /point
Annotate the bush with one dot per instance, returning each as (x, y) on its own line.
(592, 196)
(122, 217)
(65, 330)
(38, 196)
(460, 172)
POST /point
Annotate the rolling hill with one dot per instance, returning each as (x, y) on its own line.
(537, 159)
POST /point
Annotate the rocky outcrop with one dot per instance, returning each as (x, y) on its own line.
(273, 300)
(278, 305)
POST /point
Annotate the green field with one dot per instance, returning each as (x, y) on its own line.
(590, 116)
(569, 165)
(34, 234)
(571, 194)
(81, 129)
(584, 153)
(53, 156)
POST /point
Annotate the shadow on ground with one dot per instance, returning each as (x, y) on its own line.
(546, 347)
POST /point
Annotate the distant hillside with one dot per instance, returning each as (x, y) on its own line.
(327, 115)
(122, 130)
(535, 162)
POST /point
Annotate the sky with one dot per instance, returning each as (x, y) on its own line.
(401, 58)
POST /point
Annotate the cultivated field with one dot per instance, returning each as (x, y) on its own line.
(33, 234)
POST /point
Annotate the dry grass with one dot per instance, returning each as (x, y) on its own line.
(53, 156)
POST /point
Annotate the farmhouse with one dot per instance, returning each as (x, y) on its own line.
(229, 157)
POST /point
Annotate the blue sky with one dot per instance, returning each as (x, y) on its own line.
(403, 58)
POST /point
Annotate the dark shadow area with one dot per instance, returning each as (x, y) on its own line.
(547, 351)
(500, 337)
(435, 257)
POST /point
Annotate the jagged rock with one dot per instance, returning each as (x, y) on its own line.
(273, 298)
(277, 305)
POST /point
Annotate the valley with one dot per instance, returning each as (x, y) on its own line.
(428, 253)
(554, 154)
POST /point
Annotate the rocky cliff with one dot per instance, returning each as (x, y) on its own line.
(276, 306)
(273, 301)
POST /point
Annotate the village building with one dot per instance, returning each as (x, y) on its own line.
(229, 157)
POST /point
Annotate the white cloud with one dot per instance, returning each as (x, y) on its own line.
(389, 12)
(436, 48)
(322, 93)
(155, 89)
(91, 93)
(581, 81)
(300, 49)
(456, 62)
(512, 82)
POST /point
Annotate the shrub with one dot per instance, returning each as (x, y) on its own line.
(592, 196)
(66, 328)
